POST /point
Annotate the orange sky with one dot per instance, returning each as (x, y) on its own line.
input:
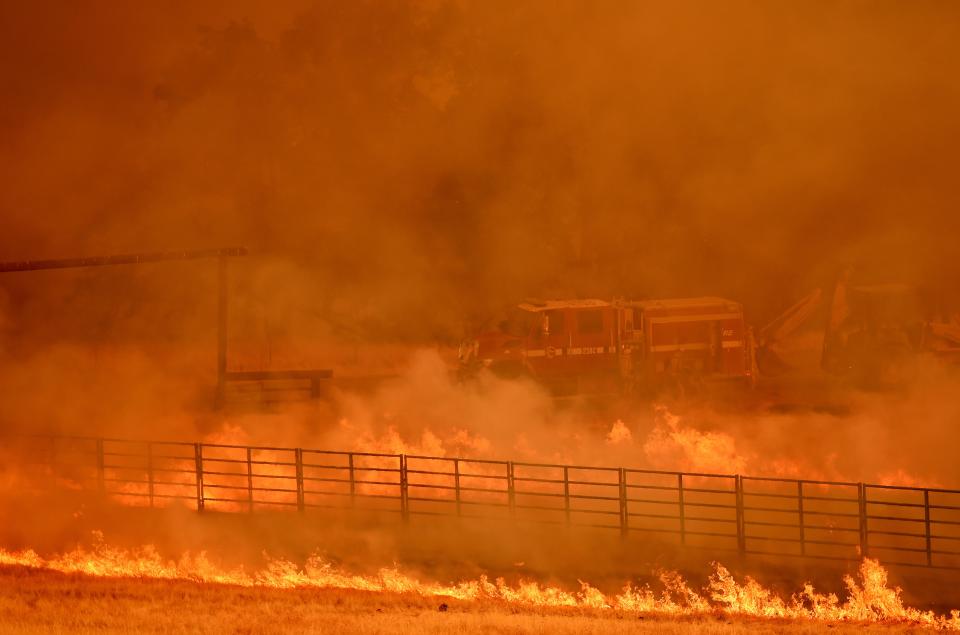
(402, 165)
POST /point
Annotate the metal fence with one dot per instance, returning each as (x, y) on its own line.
(751, 515)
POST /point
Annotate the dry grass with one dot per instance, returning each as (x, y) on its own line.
(34, 601)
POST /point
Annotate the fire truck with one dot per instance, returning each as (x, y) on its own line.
(591, 345)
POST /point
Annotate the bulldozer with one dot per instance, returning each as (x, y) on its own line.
(871, 332)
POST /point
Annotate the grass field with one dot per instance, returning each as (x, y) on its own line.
(40, 601)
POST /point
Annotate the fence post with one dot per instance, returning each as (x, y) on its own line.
(683, 524)
(566, 493)
(511, 490)
(862, 513)
(926, 522)
(803, 533)
(741, 516)
(198, 466)
(456, 483)
(101, 484)
(298, 459)
(150, 471)
(249, 480)
(404, 500)
(624, 521)
(353, 482)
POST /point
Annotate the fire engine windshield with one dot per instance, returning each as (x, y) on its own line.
(519, 323)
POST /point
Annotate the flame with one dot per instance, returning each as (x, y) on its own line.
(229, 434)
(619, 433)
(902, 478)
(870, 598)
(248, 481)
(673, 446)
(674, 443)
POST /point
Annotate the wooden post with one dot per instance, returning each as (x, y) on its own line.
(353, 481)
(150, 472)
(566, 493)
(683, 523)
(101, 484)
(926, 522)
(864, 529)
(624, 517)
(198, 466)
(741, 515)
(249, 481)
(404, 499)
(298, 459)
(456, 483)
(511, 490)
(803, 537)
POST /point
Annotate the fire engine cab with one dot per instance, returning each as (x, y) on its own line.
(581, 345)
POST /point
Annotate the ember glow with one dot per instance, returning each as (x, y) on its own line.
(869, 597)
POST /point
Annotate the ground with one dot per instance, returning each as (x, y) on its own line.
(36, 601)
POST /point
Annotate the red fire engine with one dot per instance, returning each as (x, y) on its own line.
(578, 345)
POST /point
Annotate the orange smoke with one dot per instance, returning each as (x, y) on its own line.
(869, 597)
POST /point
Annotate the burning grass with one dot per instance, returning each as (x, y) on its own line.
(77, 589)
(40, 601)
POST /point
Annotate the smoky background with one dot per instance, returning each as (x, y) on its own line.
(403, 170)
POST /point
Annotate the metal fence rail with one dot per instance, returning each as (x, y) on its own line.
(806, 518)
